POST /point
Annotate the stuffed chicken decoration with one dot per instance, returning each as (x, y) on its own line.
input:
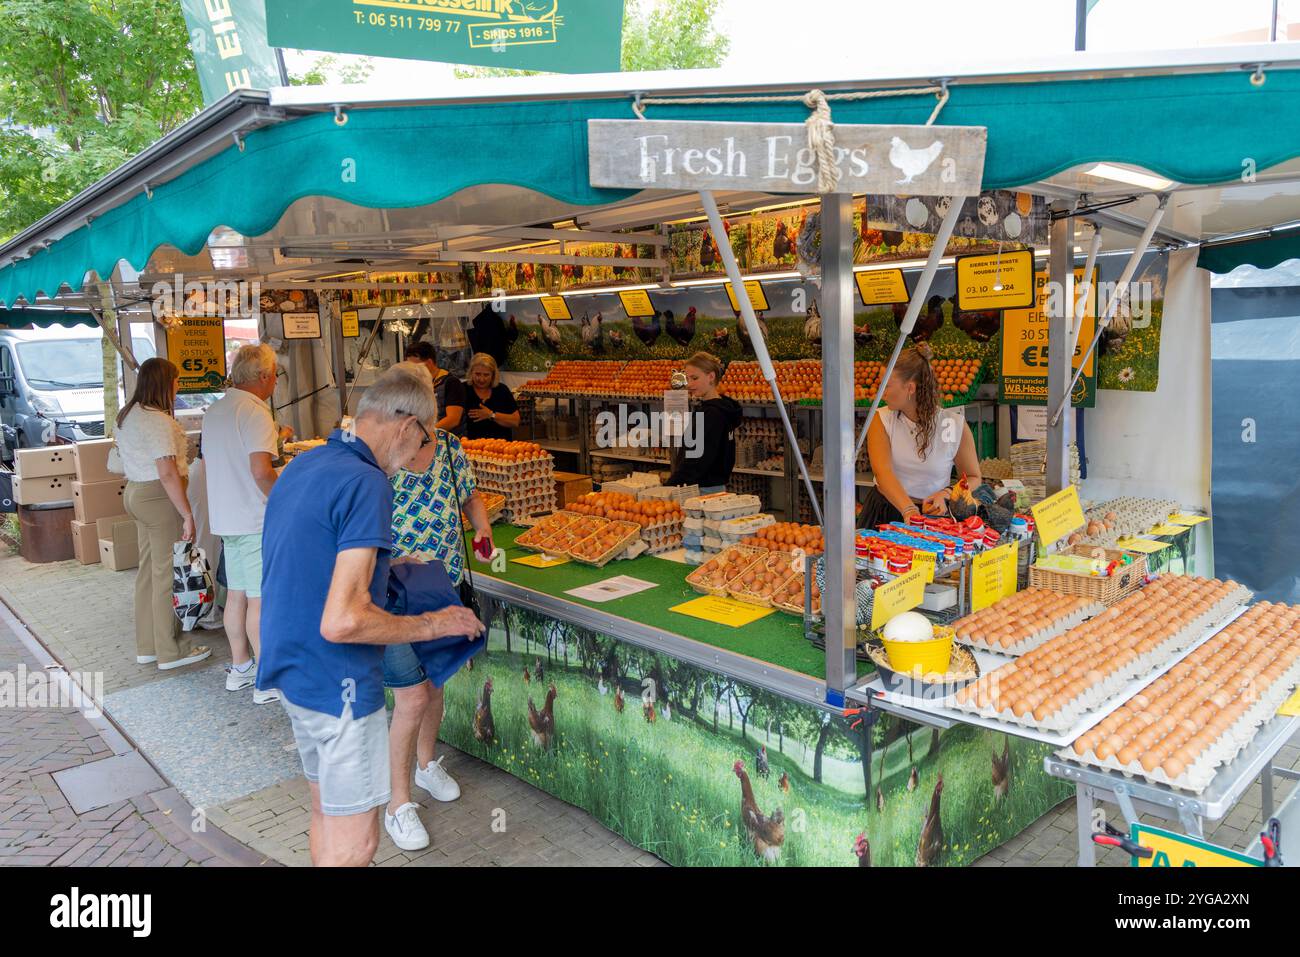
(192, 586)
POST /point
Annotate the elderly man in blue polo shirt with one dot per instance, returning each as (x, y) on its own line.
(325, 546)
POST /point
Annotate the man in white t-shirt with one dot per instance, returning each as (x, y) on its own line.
(239, 445)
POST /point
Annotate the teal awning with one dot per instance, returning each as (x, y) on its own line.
(1192, 128)
(43, 319)
(1260, 253)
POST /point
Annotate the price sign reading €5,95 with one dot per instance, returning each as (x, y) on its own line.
(993, 575)
(198, 348)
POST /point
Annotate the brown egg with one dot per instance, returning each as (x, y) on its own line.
(1129, 754)
(1175, 764)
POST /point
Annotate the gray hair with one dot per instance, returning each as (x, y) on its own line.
(250, 362)
(402, 390)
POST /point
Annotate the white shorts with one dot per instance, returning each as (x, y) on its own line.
(347, 757)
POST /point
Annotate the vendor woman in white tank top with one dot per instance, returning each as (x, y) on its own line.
(914, 445)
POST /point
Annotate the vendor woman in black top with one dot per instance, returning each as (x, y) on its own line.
(710, 452)
(489, 405)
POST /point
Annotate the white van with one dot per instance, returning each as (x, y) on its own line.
(52, 384)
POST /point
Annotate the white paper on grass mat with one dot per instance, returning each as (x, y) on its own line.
(620, 586)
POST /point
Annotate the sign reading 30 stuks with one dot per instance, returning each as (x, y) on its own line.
(776, 158)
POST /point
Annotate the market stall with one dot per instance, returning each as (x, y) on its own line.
(704, 717)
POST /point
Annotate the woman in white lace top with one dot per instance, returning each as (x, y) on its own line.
(152, 447)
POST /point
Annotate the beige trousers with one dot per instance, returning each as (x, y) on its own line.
(158, 525)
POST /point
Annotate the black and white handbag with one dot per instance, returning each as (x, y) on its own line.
(193, 591)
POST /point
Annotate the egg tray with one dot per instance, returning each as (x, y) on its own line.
(719, 591)
(668, 544)
(547, 527)
(630, 532)
(1030, 642)
(775, 561)
(738, 528)
(1200, 773)
(1104, 691)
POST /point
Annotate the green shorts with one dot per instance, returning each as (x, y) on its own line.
(243, 555)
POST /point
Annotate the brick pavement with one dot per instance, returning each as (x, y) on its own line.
(38, 827)
(94, 633)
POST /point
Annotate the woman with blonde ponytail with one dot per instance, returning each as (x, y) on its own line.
(914, 444)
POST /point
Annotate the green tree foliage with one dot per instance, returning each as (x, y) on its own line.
(84, 86)
(328, 68)
(668, 35)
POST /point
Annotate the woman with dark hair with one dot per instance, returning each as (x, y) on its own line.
(708, 460)
(914, 445)
(151, 444)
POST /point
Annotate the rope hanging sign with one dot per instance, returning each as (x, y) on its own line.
(817, 156)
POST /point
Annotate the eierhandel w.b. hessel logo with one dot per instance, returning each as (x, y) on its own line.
(489, 23)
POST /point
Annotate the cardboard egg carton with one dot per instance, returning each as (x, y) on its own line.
(732, 530)
(1104, 691)
(695, 506)
(1031, 641)
(727, 506)
(668, 493)
(1200, 773)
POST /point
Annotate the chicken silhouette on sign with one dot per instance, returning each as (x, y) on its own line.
(912, 162)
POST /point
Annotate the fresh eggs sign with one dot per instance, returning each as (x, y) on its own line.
(559, 36)
(776, 157)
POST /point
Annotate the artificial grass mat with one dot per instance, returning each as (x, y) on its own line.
(777, 639)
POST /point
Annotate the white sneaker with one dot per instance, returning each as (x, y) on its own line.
(145, 659)
(265, 697)
(405, 828)
(196, 654)
(239, 680)
(440, 785)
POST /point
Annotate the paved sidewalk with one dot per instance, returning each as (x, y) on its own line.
(72, 793)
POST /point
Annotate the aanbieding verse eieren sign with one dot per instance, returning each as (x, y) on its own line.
(776, 158)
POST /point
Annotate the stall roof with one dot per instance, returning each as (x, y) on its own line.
(1190, 117)
(44, 318)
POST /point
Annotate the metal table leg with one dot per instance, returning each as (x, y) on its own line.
(1083, 807)
(1266, 791)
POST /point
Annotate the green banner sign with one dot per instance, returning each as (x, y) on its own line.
(228, 39)
(561, 36)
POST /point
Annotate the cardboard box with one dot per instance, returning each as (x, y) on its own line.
(92, 461)
(96, 500)
(44, 489)
(119, 548)
(570, 486)
(85, 542)
(53, 460)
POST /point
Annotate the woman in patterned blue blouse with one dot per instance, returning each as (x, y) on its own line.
(426, 527)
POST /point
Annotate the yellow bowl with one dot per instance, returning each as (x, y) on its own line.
(933, 656)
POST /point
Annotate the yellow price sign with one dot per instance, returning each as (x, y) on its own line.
(557, 307)
(993, 575)
(881, 287)
(996, 281)
(351, 320)
(1179, 850)
(924, 562)
(1058, 515)
(757, 297)
(893, 598)
(198, 348)
(636, 303)
(722, 611)
(1291, 706)
(541, 561)
(1146, 546)
(1168, 529)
